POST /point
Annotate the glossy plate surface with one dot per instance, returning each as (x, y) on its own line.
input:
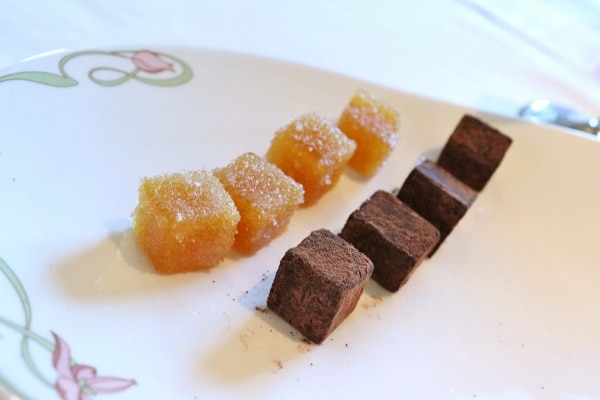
(508, 306)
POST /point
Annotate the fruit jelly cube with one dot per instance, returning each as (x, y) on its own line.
(184, 221)
(374, 126)
(265, 197)
(392, 235)
(318, 284)
(437, 196)
(474, 151)
(312, 151)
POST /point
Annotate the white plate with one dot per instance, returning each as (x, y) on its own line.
(506, 308)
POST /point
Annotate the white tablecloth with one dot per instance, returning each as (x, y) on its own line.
(492, 55)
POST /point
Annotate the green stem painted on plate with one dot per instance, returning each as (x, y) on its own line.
(25, 329)
(42, 341)
(58, 350)
(13, 390)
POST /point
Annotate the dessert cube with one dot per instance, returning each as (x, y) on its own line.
(265, 197)
(437, 196)
(374, 126)
(312, 151)
(184, 221)
(318, 284)
(392, 235)
(474, 151)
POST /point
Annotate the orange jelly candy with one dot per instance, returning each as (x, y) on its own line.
(312, 151)
(374, 127)
(184, 221)
(265, 197)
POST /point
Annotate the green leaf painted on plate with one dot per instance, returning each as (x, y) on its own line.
(45, 78)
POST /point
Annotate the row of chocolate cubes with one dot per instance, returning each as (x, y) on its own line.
(319, 282)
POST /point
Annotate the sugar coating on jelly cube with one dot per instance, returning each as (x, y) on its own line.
(374, 126)
(312, 151)
(265, 197)
(184, 221)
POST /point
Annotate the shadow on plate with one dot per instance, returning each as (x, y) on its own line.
(265, 343)
(116, 268)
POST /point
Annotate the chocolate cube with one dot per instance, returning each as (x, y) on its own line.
(436, 195)
(318, 284)
(392, 235)
(474, 151)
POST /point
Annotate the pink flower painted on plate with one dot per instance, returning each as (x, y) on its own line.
(149, 61)
(80, 382)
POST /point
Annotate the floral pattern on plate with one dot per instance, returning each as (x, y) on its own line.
(74, 381)
(145, 65)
